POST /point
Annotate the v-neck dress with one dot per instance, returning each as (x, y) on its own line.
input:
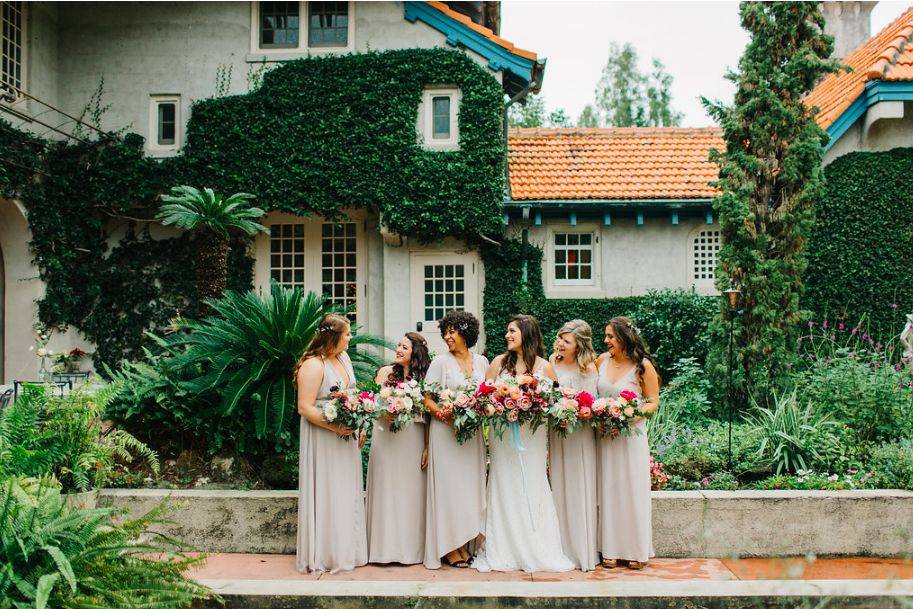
(455, 497)
(331, 507)
(623, 483)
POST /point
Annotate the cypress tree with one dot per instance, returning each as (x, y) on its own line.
(770, 177)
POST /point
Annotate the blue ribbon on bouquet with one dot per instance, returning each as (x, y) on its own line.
(518, 446)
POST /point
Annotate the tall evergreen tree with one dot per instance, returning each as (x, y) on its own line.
(770, 177)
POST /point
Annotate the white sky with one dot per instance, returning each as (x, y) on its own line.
(697, 42)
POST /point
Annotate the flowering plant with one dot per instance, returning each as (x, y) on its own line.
(614, 416)
(401, 402)
(571, 409)
(517, 399)
(351, 408)
(464, 407)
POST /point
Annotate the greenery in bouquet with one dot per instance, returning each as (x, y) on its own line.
(571, 410)
(464, 407)
(523, 399)
(352, 408)
(400, 403)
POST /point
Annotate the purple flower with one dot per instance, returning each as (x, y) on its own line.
(801, 338)
(865, 336)
(840, 326)
(811, 324)
(824, 325)
(893, 305)
(854, 331)
(878, 347)
(898, 367)
(811, 356)
(833, 337)
(890, 347)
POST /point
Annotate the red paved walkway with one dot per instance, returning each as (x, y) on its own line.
(282, 567)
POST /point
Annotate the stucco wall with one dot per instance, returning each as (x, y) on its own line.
(880, 135)
(158, 48)
(40, 69)
(630, 259)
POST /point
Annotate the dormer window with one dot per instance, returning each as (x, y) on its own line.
(438, 123)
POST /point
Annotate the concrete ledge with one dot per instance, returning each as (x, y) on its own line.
(688, 524)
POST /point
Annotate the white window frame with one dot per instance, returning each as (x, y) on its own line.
(704, 285)
(23, 68)
(426, 119)
(278, 54)
(553, 248)
(152, 144)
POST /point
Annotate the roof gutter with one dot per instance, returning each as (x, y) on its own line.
(603, 203)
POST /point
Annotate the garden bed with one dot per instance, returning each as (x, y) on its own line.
(686, 524)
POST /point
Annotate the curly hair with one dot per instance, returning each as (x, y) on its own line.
(631, 341)
(463, 323)
(418, 363)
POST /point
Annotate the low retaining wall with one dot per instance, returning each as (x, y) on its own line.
(710, 524)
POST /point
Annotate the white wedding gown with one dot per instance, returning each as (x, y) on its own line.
(521, 524)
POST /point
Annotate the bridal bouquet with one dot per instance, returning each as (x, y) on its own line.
(464, 406)
(612, 416)
(352, 408)
(402, 401)
(571, 409)
(517, 399)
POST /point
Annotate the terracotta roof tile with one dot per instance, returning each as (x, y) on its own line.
(482, 30)
(631, 163)
(887, 56)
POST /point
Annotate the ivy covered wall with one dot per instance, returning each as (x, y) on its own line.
(319, 136)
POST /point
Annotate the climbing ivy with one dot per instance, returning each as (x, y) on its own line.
(320, 135)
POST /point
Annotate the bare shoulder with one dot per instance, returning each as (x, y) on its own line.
(497, 360)
(311, 368)
(599, 360)
(649, 368)
(383, 374)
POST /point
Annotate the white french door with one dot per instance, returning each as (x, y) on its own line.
(442, 282)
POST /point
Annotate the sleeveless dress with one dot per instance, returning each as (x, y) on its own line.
(396, 494)
(331, 505)
(623, 483)
(455, 498)
(521, 525)
(572, 468)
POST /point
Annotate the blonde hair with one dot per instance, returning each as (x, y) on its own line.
(330, 329)
(583, 338)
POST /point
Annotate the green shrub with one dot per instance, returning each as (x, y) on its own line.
(694, 453)
(683, 401)
(54, 556)
(893, 464)
(64, 437)
(237, 367)
(814, 481)
(794, 435)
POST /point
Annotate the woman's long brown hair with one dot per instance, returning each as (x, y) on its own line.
(531, 345)
(633, 344)
(329, 331)
(418, 363)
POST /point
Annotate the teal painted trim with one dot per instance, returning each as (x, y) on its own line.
(537, 219)
(459, 34)
(640, 218)
(874, 92)
(606, 204)
(573, 219)
(708, 216)
(607, 219)
(674, 217)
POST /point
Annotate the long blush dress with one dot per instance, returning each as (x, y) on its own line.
(331, 505)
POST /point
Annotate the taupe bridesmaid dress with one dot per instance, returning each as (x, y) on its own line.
(396, 494)
(331, 506)
(572, 470)
(455, 512)
(623, 483)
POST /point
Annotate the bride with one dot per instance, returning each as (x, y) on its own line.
(521, 524)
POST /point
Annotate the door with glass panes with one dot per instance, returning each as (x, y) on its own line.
(442, 282)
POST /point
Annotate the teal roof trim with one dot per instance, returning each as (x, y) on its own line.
(602, 204)
(458, 34)
(874, 92)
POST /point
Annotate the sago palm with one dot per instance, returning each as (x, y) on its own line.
(210, 217)
(247, 350)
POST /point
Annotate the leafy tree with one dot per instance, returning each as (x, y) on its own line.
(770, 179)
(626, 97)
(589, 117)
(210, 217)
(532, 114)
(559, 118)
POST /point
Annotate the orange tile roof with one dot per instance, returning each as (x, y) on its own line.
(630, 163)
(482, 30)
(887, 56)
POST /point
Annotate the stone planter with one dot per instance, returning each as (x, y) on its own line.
(83, 501)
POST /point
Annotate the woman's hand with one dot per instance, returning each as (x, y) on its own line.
(424, 464)
(362, 438)
(341, 430)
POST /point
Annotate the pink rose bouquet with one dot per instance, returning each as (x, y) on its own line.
(351, 408)
(615, 415)
(571, 410)
(463, 406)
(400, 403)
(517, 399)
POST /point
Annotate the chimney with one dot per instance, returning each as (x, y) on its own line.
(849, 23)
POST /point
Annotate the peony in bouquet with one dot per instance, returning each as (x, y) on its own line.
(525, 398)
(351, 408)
(613, 416)
(463, 405)
(400, 403)
(571, 410)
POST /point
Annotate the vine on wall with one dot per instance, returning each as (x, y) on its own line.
(320, 135)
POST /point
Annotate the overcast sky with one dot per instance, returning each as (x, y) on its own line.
(697, 41)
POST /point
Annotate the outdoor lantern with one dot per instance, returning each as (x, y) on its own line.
(732, 296)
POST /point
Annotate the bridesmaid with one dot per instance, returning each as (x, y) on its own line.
(331, 508)
(572, 459)
(396, 469)
(623, 480)
(455, 512)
